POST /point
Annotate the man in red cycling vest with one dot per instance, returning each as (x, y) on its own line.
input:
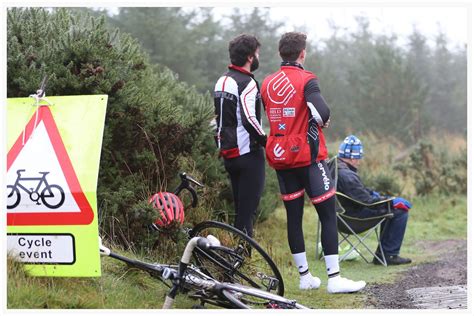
(296, 149)
(239, 133)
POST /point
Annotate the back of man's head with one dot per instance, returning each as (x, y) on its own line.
(241, 47)
(291, 45)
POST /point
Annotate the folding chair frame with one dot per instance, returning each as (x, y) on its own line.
(367, 233)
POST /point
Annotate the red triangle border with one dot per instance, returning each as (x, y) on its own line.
(86, 214)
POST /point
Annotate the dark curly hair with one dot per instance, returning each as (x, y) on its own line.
(241, 47)
(291, 44)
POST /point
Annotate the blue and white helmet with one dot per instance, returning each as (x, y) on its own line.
(351, 148)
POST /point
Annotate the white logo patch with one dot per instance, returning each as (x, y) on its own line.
(289, 112)
(278, 151)
(282, 88)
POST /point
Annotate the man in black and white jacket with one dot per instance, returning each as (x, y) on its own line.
(239, 133)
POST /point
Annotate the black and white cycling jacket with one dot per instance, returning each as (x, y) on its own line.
(237, 104)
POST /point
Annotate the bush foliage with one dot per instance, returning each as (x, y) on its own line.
(156, 126)
(436, 170)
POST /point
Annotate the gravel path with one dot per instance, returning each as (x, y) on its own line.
(450, 270)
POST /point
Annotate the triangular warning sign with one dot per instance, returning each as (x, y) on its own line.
(42, 186)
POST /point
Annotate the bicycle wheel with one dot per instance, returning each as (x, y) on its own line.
(13, 197)
(247, 263)
(52, 196)
(246, 297)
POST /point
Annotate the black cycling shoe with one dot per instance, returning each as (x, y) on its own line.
(393, 260)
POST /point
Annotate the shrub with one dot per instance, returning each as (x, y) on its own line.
(152, 119)
(435, 169)
(155, 127)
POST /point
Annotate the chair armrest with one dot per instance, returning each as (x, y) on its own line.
(353, 218)
(365, 204)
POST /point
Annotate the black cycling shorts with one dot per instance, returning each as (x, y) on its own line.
(315, 179)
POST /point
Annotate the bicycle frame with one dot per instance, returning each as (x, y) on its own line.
(36, 194)
(186, 277)
(40, 179)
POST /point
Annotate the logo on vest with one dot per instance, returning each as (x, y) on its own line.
(289, 112)
(280, 90)
(278, 151)
(295, 148)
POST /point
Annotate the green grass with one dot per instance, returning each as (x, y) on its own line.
(431, 219)
(119, 287)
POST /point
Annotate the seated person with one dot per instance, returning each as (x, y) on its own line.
(349, 183)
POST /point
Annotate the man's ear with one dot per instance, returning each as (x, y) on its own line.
(250, 58)
(302, 55)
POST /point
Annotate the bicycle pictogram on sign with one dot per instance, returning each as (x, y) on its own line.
(52, 195)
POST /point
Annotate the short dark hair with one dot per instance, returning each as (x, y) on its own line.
(291, 44)
(241, 47)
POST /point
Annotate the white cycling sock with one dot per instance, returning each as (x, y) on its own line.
(332, 265)
(301, 262)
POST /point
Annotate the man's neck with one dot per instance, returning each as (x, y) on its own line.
(300, 61)
(349, 163)
(247, 67)
(292, 63)
(242, 69)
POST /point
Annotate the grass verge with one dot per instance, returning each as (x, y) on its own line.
(432, 218)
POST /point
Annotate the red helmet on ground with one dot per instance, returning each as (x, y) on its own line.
(170, 208)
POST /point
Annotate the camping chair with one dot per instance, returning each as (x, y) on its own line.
(355, 230)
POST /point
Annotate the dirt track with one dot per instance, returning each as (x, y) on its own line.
(449, 270)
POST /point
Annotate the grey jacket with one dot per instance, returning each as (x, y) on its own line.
(349, 183)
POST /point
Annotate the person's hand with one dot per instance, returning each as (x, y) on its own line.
(375, 194)
(401, 203)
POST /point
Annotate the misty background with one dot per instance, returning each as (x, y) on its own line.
(406, 86)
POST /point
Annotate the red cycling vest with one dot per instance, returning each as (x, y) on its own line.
(293, 142)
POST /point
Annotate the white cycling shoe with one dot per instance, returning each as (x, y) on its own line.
(309, 282)
(343, 285)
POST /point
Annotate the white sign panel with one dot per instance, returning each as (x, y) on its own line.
(35, 180)
(42, 248)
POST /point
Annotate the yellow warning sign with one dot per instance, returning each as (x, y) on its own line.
(52, 169)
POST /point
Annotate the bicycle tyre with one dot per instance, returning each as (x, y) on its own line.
(245, 297)
(18, 197)
(255, 260)
(50, 189)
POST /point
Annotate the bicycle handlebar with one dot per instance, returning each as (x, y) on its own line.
(186, 184)
(183, 176)
(201, 242)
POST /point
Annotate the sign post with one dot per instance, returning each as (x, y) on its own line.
(52, 170)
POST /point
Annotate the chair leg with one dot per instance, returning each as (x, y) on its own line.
(361, 242)
(353, 248)
(383, 261)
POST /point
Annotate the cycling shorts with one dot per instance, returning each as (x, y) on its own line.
(315, 179)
